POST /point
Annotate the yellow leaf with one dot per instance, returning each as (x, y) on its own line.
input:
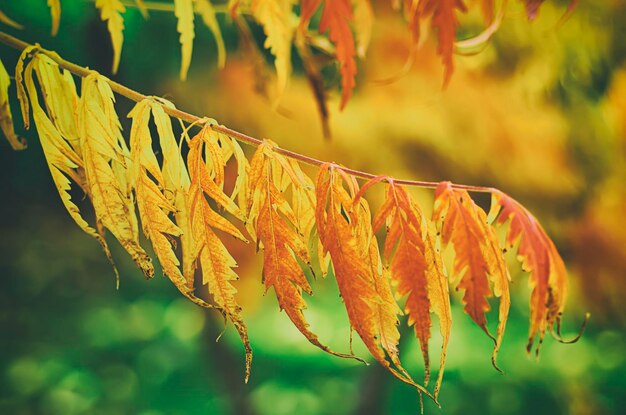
(111, 11)
(106, 169)
(208, 137)
(55, 13)
(59, 92)
(539, 256)
(6, 118)
(19, 83)
(176, 186)
(154, 208)
(207, 12)
(143, 8)
(183, 9)
(62, 161)
(214, 259)
(279, 23)
(363, 22)
(4, 19)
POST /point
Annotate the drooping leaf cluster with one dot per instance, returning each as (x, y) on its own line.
(343, 32)
(301, 226)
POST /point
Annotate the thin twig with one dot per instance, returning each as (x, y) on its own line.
(190, 118)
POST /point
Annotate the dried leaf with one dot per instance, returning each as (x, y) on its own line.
(19, 83)
(444, 19)
(154, 207)
(176, 186)
(307, 10)
(59, 92)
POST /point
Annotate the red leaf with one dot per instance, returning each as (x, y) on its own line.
(336, 18)
(446, 23)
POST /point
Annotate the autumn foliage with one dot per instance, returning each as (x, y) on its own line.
(346, 24)
(181, 207)
(302, 226)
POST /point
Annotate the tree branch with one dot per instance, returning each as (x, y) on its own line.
(133, 95)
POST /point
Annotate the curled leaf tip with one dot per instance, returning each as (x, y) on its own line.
(558, 337)
(494, 363)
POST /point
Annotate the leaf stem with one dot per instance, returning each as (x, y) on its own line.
(133, 95)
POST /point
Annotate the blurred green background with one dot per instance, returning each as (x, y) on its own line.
(540, 113)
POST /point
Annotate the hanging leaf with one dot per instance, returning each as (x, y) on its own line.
(6, 118)
(106, 162)
(548, 278)
(417, 269)
(207, 13)
(478, 257)
(363, 22)
(111, 12)
(63, 161)
(183, 9)
(4, 19)
(297, 223)
(336, 18)
(212, 256)
(59, 92)
(277, 20)
(176, 186)
(55, 13)
(282, 247)
(445, 21)
(345, 232)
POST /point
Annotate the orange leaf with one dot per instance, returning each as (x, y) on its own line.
(307, 10)
(418, 270)
(336, 18)
(345, 232)
(478, 257)
(548, 277)
(444, 19)
(281, 243)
